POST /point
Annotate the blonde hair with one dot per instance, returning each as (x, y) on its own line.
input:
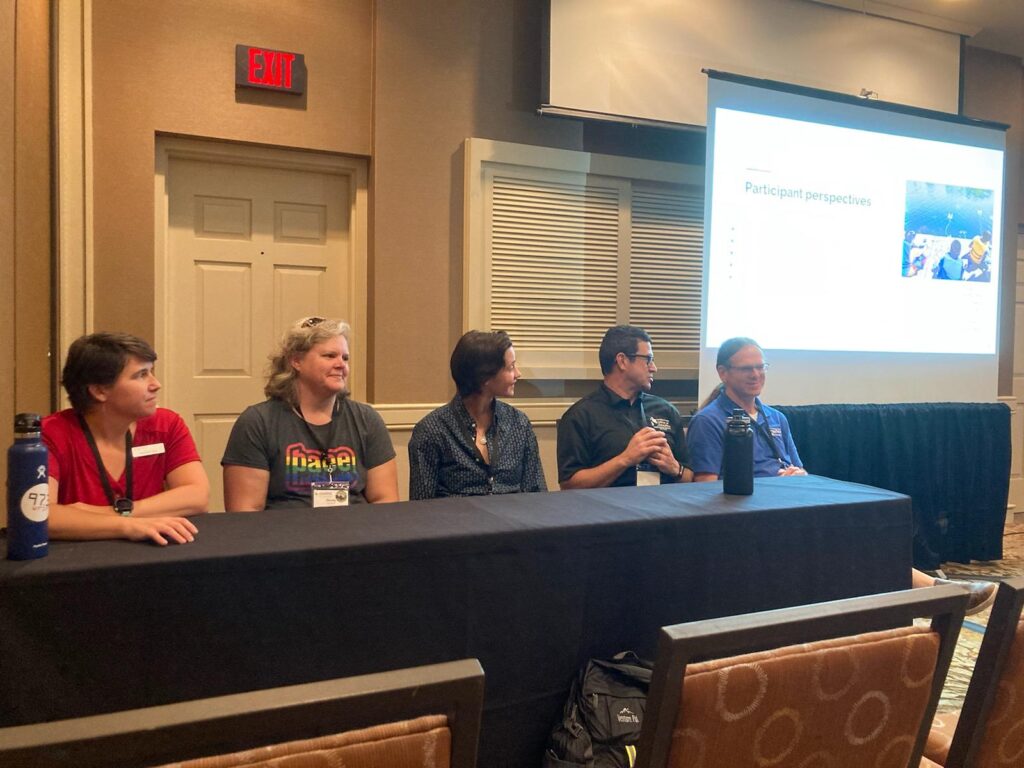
(301, 337)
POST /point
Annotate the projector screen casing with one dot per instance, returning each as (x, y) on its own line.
(608, 58)
(819, 285)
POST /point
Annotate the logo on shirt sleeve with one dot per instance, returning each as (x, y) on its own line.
(662, 425)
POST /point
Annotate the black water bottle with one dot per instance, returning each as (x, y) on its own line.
(28, 506)
(738, 465)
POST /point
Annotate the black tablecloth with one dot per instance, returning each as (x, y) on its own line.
(532, 585)
(953, 459)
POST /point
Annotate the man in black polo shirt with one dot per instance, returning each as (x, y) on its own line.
(620, 434)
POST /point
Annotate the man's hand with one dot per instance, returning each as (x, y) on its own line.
(665, 461)
(159, 529)
(792, 470)
(643, 445)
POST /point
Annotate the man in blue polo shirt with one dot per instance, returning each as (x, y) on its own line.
(741, 368)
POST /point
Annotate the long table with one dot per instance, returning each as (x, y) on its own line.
(532, 585)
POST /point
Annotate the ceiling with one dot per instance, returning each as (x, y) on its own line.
(997, 25)
(1001, 22)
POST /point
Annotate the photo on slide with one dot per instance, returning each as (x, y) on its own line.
(947, 232)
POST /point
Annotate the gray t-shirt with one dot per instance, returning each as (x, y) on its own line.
(272, 436)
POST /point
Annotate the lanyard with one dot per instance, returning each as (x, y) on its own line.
(330, 463)
(643, 466)
(643, 415)
(102, 469)
(767, 434)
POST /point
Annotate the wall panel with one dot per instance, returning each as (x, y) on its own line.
(32, 206)
(994, 90)
(7, 328)
(443, 72)
(169, 68)
(25, 164)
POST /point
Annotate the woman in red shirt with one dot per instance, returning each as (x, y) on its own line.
(120, 468)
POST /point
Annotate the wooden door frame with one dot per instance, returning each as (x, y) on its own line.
(73, 194)
(354, 169)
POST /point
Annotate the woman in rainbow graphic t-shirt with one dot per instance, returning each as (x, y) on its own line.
(309, 444)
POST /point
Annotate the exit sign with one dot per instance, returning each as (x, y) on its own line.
(263, 68)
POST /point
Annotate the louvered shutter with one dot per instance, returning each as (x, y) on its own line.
(557, 253)
(666, 256)
(554, 261)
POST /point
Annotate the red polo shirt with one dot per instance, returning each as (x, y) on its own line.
(161, 444)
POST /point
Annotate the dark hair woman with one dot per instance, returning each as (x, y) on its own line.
(120, 467)
(476, 444)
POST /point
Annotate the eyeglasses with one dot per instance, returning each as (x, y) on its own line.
(648, 358)
(310, 322)
(748, 369)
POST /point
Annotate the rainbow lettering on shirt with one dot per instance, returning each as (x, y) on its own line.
(303, 466)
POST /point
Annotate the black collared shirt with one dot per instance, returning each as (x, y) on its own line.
(599, 427)
(444, 461)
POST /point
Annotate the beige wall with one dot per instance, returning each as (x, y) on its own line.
(402, 82)
(7, 331)
(25, 160)
(169, 67)
(994, 90)
(443, 72)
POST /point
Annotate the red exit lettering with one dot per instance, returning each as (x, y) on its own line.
(270, 68)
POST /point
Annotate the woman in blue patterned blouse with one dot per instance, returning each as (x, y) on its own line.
(476, 444)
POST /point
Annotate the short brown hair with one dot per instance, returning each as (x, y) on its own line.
(98, 359)
(477, 357)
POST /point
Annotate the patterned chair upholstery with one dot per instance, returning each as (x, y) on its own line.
(989, 731)
(351, 722)
(421, 743)
(839, 684)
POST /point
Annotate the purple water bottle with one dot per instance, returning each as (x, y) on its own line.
(28, 490)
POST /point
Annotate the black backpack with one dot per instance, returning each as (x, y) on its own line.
(600, 724)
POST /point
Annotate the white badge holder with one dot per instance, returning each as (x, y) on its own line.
(647, 477)
(330, 494)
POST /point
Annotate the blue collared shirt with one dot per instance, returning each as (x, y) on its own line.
(706, 439)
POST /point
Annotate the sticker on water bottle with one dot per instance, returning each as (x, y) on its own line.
(35, 503)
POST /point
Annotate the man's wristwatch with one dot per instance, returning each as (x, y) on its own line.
(124, 507)
(679, 476)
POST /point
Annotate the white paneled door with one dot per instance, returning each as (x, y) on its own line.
(251, 246)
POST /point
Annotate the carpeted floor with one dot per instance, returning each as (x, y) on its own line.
(973, 630)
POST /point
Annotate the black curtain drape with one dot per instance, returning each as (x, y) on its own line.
(952, 459)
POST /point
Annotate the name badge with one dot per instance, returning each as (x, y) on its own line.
(647, 477)
(329, 494)
(152, 449)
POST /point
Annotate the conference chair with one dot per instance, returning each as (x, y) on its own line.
(407, 718)
(989, 730)
(845, 683)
